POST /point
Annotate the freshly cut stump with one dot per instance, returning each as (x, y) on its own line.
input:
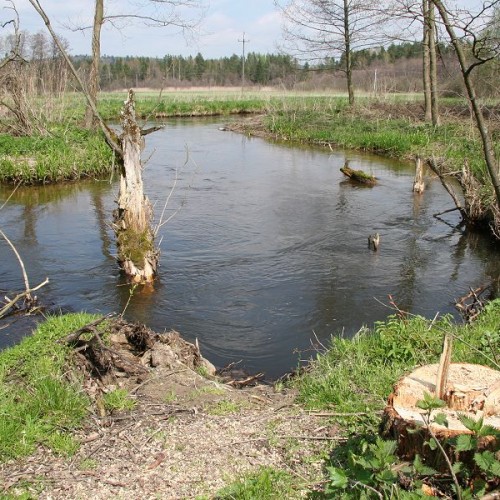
(471, 390)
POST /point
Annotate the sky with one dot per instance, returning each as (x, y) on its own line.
(219, 34)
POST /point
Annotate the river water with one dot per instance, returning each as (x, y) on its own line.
(266, 252)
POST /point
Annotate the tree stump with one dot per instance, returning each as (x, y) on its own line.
(137, 254)
(471, 390)
(418, 183)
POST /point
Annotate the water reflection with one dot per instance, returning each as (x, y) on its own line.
(270, 245)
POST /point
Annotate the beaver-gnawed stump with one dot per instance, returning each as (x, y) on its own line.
(471, 390)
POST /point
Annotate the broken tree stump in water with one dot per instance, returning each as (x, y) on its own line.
(137, 255)
(418, 183)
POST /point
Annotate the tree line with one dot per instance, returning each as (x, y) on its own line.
(393, 68)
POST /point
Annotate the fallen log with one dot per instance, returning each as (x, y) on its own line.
(358, 176)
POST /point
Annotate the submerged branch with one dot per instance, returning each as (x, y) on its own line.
(27, 293)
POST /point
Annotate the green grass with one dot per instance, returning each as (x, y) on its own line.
(64, 155)
(223, 407)
(265, 484)
(38, 405)
(118, 400)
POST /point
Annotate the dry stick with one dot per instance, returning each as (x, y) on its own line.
(10, 195)
(161, 222)
(338, 414)
(446, 211)
(363, 485)
(444, 366)
(26, 293)
(21, 263)
(446, 458)
(315, 438)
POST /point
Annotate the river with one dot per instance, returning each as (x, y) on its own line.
(266, 253)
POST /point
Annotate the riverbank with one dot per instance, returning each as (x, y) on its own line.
(171, 429)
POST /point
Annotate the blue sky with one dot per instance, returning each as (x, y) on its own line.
(224, 23)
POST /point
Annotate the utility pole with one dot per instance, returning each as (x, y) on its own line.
(243, 41)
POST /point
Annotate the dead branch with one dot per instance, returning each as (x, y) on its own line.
(10, 195)
(21, 263)
(445, 212)
(249, 380)
(27, 293)
(162, 222)
(435, 168)
(471, 305)
(73, 337)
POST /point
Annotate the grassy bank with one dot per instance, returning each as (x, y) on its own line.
(64, 154)
(70, 152)
(38, 403)
(392, 127)
(384, 127)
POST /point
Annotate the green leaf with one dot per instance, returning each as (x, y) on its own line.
(470, 423)
(422, 469)
(489, 430)
(487, 462)
(430, 402)
(457, 467)
(387, 476)
(432, 444)
(338, 478)
(441, 419)
(464, 442)
(479, 487)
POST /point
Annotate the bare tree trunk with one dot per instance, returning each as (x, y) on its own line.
(93, 86)
(348, 58)
(489, 156)
(137, 255)
(433, 66)
(426, 63)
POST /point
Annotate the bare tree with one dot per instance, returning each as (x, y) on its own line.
(13, 94)
(426, 62)
(474, 46)
(319, 29)
(430, 48)
(137, 254)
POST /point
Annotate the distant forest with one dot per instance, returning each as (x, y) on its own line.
(399, 66)
(395, 68)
